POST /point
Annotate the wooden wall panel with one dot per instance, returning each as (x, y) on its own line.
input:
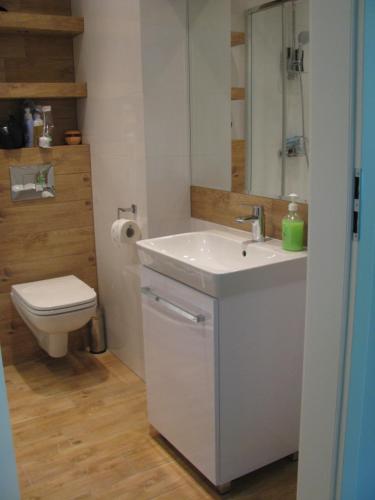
(238, 38)
(222, 207)
(238, 94)
(64, 114)
(68, 160)
(41, 90)
(54, 7)
(45, 238)
(21, 22)
(238, 166)
(36, 58)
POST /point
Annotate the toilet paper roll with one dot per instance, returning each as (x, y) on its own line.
(125, 231)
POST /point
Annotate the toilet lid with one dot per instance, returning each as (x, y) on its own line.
(56, 293)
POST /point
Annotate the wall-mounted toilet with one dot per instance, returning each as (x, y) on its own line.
(52, 308)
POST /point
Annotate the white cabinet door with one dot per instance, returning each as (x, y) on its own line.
(180, 342)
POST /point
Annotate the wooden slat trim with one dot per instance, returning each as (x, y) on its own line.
(238, 94)
(238, 38)
(17, 22)
(35, 90)
(238, 165)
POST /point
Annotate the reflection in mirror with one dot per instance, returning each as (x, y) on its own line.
(32, 182)
(210, 92)
(249, 63)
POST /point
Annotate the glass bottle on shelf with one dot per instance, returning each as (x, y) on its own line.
(46, 139)
(37, 126)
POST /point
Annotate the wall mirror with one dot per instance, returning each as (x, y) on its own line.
(249, 96)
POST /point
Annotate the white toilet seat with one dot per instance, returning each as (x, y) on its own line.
(53, 308)
(53, 312)
(56, 294)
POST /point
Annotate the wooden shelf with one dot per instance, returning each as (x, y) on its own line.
(23, 90)
(238, 94)
(28, 153)
(16, 22)
(238, 38)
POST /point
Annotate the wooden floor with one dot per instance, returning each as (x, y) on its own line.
(81, 431)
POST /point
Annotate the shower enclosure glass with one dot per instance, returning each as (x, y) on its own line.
(277, 99)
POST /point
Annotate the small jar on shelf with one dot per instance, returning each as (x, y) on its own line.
(73, 137)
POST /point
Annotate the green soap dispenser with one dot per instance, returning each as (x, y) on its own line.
(293, 227)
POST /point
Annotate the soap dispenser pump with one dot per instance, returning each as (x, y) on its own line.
(293, 227)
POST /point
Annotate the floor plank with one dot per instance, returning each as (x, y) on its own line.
(81, 432)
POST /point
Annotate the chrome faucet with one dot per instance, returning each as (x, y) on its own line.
(258, 222)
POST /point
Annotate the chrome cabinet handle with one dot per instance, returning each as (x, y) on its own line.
(199, 318)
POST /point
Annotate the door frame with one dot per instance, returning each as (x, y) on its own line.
(357, 480)
(332, 104)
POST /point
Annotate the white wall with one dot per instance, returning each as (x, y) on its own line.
(238, 57)
(332, 122)
(166, 111)
(108, 57)
(210, 100)
(265, 102)
(133, 55)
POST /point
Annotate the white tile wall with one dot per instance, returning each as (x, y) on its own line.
(108, 57)
(238, 58)
(266, 105)
(133, 56)
(210, 82)
(166, 110)
(238, 9)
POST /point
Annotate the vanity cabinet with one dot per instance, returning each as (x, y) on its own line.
(180, 346)
(224, 374)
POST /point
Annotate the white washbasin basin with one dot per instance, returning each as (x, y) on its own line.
(220, 263)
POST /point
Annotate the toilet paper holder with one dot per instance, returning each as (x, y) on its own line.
(132, 209)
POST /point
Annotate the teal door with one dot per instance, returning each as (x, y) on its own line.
(358, 482)
(8, 472)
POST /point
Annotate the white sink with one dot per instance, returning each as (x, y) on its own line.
(222, 263)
